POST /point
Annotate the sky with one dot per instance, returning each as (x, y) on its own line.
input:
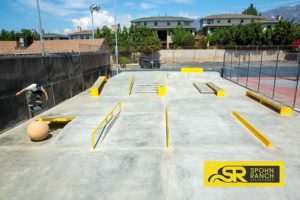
(63, 16)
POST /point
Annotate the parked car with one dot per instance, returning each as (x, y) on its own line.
(149, 61)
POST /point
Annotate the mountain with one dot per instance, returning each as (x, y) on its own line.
(287, 12)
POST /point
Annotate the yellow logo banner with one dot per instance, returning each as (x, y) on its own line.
(247, 174)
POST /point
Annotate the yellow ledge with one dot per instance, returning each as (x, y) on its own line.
(192, 70)
(276, 106)
(218, 91)
(98, 86)
(56, 119)
(258, 135)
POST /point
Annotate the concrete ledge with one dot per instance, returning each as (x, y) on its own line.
(192, 70)
(258, 135)
(218, 91)
(270, 103)
(161, 87)
(98, 86)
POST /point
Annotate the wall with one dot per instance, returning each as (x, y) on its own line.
(62, 75)
(212, 55)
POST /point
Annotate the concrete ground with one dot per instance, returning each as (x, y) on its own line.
(131, 161)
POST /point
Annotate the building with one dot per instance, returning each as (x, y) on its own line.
(210, 23)
(81, 34)
(165, 25)
(54, 46)
(54, 36)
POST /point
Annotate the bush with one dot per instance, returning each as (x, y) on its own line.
(124, 61)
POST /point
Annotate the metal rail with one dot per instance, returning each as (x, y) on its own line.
(105, 121)
(167, 129)
(131, 85)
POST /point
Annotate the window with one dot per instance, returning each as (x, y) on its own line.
(81, 37)
(269, 26)
(218, 21)
(229, 20)
(171, 33)
(168, 23)
(242, 21)
(155, 23)
(145, 23)
(208, 21)
(186, 23)
(179, 23)
(252, 20)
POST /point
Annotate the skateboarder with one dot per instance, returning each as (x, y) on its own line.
(34, 93)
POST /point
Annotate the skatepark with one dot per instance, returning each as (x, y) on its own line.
(131, 160)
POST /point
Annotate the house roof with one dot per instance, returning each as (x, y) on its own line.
(53, 46)
(233, 16)
(162, 18)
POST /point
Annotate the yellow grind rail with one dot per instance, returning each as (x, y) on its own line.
(162, 90)
(258, 135)
(167, 129)
(274, 105)
(104, 121)
(131, 85)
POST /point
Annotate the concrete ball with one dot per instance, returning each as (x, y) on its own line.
(37, 130)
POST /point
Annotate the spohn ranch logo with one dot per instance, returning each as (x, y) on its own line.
(243, 174)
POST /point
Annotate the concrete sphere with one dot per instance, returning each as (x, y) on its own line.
(37, 130)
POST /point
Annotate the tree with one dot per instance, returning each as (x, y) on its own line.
(183, 38)
(251, 10)
(284, 33)
(12, 35)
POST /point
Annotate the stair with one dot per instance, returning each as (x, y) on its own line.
(144, 88)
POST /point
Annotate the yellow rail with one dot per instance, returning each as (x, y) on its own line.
(167, 129)
(104, 121)
(259, 136)
(131, 85)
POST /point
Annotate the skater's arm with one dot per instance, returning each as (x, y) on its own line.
(20, 92)
(46, 95)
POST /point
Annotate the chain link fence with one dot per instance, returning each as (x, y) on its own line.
(275, 75)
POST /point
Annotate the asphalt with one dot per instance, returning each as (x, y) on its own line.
(131, 161)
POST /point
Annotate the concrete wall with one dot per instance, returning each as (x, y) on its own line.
(199, 55)
(216, 55)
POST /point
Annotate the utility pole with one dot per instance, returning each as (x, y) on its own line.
(116, 38)
(41, 29)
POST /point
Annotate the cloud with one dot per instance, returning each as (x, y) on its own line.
(67, 31)
(146, 6)
(187, 15)
(101, 19)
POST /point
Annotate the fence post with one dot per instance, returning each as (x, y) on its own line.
(248, 70)
(53, 98)
(297, 83)
(275, 76)
(231, 67)
(224, 60)
(259, 75)
(239, 65)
